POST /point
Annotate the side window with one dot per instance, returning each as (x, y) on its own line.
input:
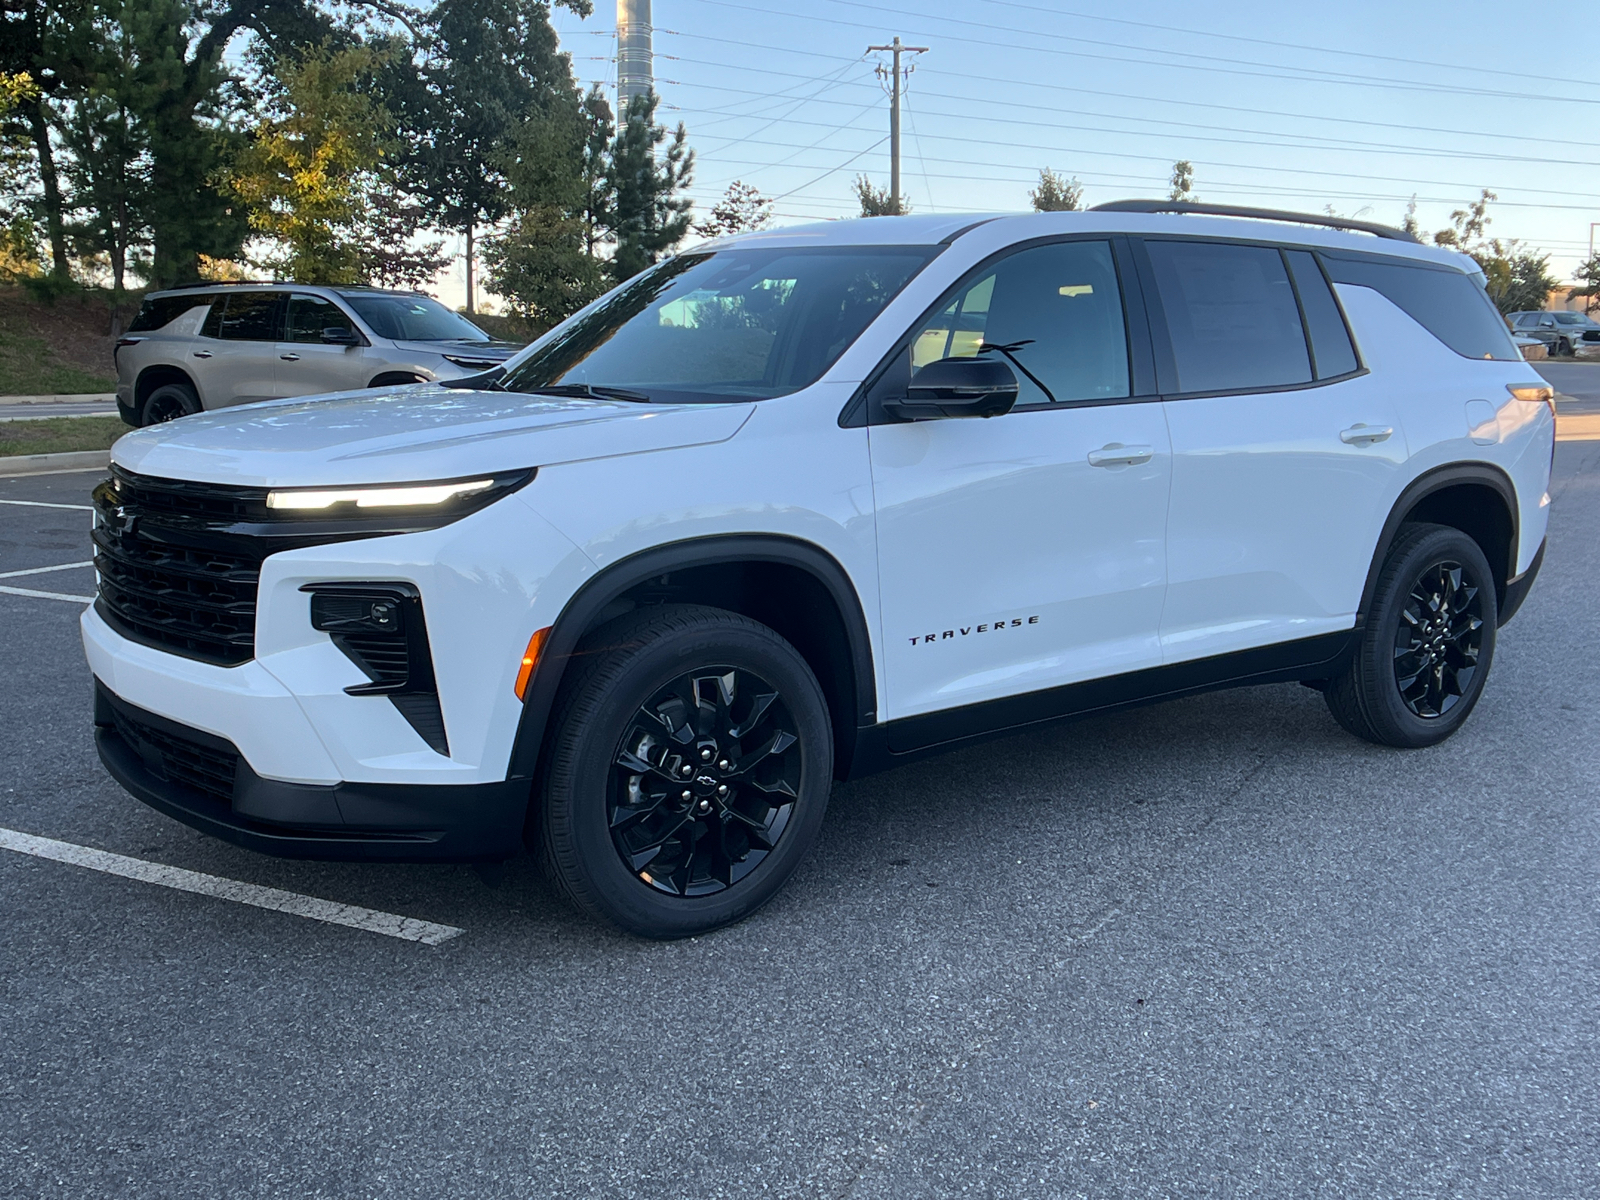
(1449, 304)
(1332, 353)
(1232, 316)
(310, 315)
(250, 317)
(161, 311)
(1056, 310)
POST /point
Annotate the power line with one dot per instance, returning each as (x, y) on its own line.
(1101, 93)
(1366, 81)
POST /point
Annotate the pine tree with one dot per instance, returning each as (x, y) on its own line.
(742, 208)
(876, 201)
(651, 216)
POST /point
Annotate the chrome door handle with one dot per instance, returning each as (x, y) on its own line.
(1361, 434)
(1118, 455)
(202, 354)
(290, 357)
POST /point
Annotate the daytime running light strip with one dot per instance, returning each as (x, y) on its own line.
(384, 497)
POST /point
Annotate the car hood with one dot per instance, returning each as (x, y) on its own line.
(413, 433)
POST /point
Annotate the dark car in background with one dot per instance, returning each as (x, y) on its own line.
(1565, 334)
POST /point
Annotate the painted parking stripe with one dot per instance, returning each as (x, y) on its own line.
(47, 504)
(44, 570)
(16, 591)
(351, 915)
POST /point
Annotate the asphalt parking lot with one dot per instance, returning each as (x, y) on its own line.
(1210, 948)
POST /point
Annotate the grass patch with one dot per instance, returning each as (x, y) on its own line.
(26, 369)
(57, 435)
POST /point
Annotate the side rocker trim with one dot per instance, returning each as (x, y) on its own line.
(587, 603)
(896, 742)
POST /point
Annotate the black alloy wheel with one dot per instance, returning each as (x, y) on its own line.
(169, 402)
(687, 773)
(1438, 640)
(1422, 655)
(704, 781)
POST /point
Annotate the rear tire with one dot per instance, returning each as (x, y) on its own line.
(688, 775)
(167, 403)
(1424, 655)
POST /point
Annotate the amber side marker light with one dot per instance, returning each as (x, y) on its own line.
(1534, 393)
(530, 660)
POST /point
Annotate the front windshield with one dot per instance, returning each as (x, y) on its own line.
(1572, 318)
(412, 318)
(729, 325)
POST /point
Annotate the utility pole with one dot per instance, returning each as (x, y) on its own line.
(897, 48)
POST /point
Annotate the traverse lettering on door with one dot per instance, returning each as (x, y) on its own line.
(927, 639)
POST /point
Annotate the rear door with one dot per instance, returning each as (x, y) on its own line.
(1285, 452)
(234, 359)
(306, 364)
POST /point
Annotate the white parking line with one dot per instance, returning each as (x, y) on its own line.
(45, 570)
(12, 591)
(353, 916)
(47, 504)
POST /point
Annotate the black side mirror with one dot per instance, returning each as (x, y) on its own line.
(340, 335)
(957, 387)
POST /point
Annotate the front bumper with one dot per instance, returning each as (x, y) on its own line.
(203, 781)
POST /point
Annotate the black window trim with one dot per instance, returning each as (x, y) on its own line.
(862, 409)
(1166, 360)
(279, 323)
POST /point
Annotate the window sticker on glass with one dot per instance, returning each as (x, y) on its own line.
(1077, 289)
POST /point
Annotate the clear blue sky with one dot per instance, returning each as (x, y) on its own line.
(1358, 105)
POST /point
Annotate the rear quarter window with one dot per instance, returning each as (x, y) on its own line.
(160, 311)
(1448, 304)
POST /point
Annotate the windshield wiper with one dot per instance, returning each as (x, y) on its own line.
(589, 391)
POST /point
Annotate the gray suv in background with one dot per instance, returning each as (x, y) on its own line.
(1565, 334)
(207, 346)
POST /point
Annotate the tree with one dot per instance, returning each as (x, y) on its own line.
(876, 201)
(305, 169)
(489, 67)
(650, 215)
(1588, 277)
(1183, 182)
(1409, 222)
(597, 209)
(1056, 193)
(1467, 224)
(742, 208)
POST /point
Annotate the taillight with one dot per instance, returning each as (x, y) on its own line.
(121, 342)
(1534, 393)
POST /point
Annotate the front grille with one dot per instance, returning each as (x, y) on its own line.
(175, 571)
(178, 759)
(1591, 335)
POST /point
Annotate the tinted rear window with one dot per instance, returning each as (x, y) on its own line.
(1331, 350)
(251, 317)
(160, 311)
(1231, 315)
(1448, 304)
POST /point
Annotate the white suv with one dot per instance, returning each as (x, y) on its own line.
(801, 505)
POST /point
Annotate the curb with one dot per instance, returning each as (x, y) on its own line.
(45, 464)
(83, 398)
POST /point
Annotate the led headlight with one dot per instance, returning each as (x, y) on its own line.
(408, 495)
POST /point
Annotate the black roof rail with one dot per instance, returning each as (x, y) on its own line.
(211, 283)
(1259, 214)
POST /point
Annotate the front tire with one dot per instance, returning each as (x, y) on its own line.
(689, 773)
(1424, 654)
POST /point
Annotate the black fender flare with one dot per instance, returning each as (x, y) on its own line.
(1425, 485)
(580, 610)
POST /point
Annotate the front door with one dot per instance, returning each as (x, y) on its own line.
(1281, 486)
(234, 359)
(1025, 551)
(307, 365)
